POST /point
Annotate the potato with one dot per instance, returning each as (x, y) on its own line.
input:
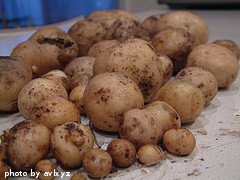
(150, 24)
(179, 141)
(3, 151)
(150, 154)
(55, 111)
(58, 76)
(167, 68)
(139, 64)
(81, 80)
(122, 152)
(86, 33)
(165, 114)
(13, 76)
(107, 97)
(229, 44)
(81, 65)
(141, 127)
(76, 96)
(202, 79)
(101, 46)
(126, 28)
(107, 18)
(220, 61)
(49, 48)
(46, 168)
(97, 163)
(36, 91)
(70, 142)
(78, 176)
(3, 169)
(27, 144)
(188, 21)
(184, 97)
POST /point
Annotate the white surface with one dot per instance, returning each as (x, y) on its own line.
(217, 129)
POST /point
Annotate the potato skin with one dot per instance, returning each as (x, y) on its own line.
(141, 127)
(76, 96)
(220, 61)
(13, 77)
(3, 169)
(29, 142)
(70, 142)
(45, 166)
(122, 152)
(140, 64)
(179, 141)
(78, 176)
(36, 91)
(167, 67)
(107, 97)
(150, 24)
(55, 111)
(202, 79)
(184, 97)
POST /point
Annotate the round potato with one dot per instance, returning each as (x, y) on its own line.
(55, 111)
(107, 97)
(165, 114)
(81, 80)
(202, 79)
(220, 61)
(179, 141)
(141, 64)
(150, 24)
(167, 67)
(184, 97)
(36, 91)
(76, 96)
(3, 170)
(3, 150)
(46, 168)
(141, 127)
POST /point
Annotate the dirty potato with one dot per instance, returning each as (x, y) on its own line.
(167, 67)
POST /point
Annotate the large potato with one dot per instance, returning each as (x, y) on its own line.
(220, 61)
(184, 97)
(13, 76)
(202, 79)
(107, 97)
(137, 60)
(36, 91)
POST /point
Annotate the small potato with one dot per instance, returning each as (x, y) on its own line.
(46, 169)
(86, 33)
(184, 97)
(55, 111)
(70, 142)
(76, 96)
(59, 77)
(220, 61)
(202, 79)
(81, 80)
(179, 141)
(231, 45)
(150, 154)
(36, 91)
(79, 66)
(150, 24)
(3, 169)
(122, 152)
(167, 68)
(3, 150)
(101, 46)
(97, 163)
(141, 127)
(107, 97)
(78, 176)
(165, 114)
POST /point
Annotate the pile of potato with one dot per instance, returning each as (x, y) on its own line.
(118, 72)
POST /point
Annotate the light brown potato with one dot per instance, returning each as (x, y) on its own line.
(79, 66)
(184, 97)
(179, 141)
(165, 114)
(188, 21)
(220, 61)
(86, 33)
(107, 97)
(76, 96)
(122, 152)
(78, 176)
(151, 23)
(28, 143)
(36, 91)
(150, 154)
(126, 28)
(13, 76)
(81, 80)
(141, 127)
(46, 169)
(101, 46)
(97, 163)
(202, 79)
(139, 64)
(3, 170)
(55, 111)
(70, 142)
(167, 67)
(229, 44)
